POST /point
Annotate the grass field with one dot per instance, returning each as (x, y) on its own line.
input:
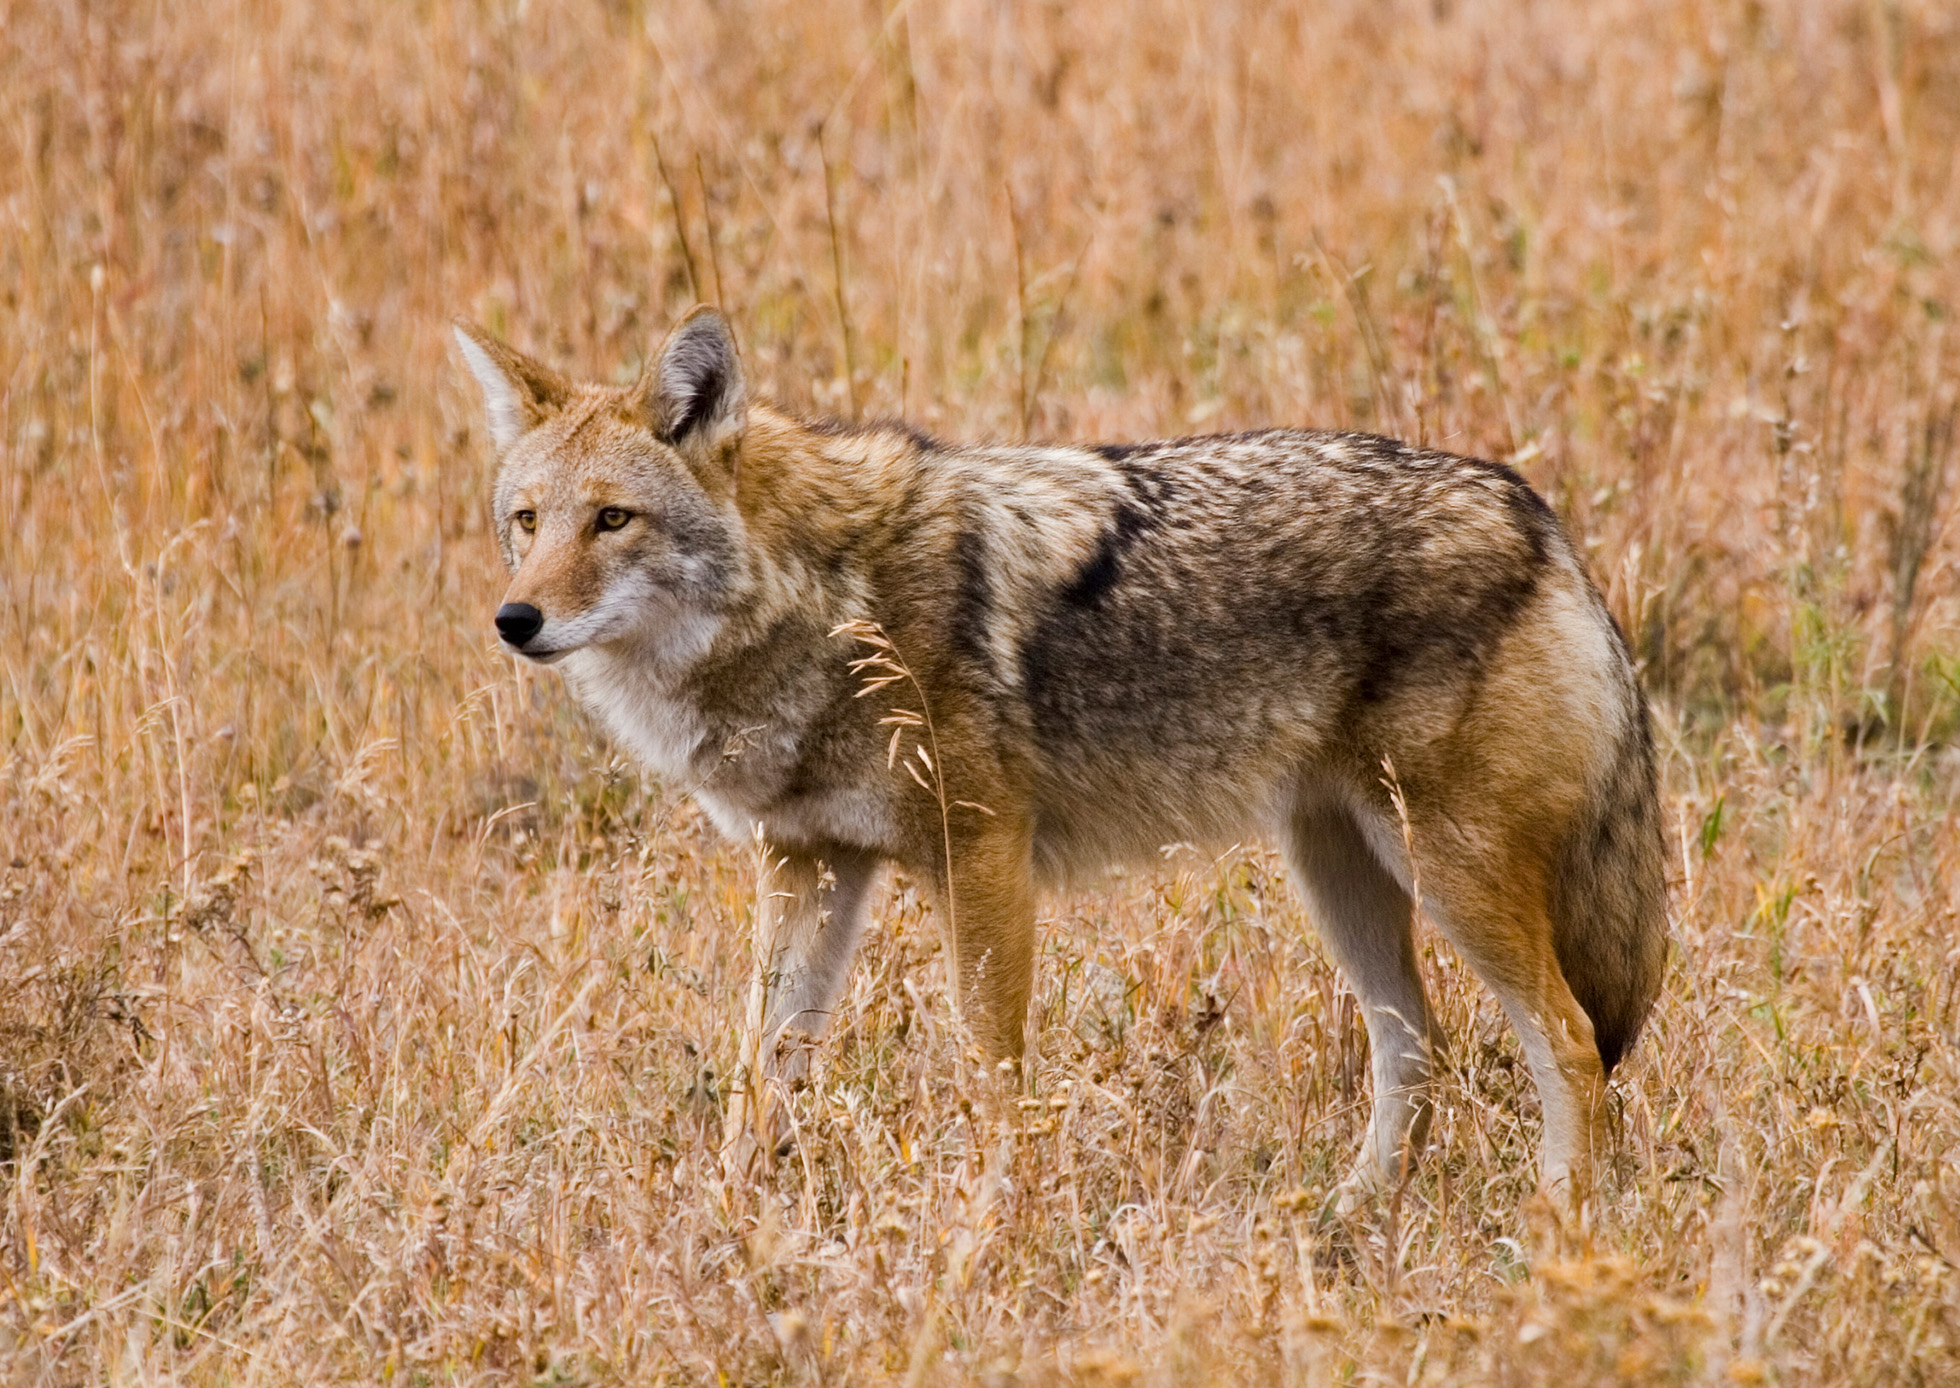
(363, 1017)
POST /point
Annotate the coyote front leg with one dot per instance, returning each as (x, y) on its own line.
(808, 922)
(814, 912)
(989, 909)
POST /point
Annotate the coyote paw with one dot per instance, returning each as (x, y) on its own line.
(1560, 1209)
(755, 1136)
(1357, 1193)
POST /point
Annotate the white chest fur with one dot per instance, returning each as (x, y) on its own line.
(644, 713)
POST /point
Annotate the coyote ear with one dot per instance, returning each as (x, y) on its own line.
(695, 397)
(518, 394)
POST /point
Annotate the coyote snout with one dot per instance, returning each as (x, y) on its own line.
(1114, 647)
(517, 623)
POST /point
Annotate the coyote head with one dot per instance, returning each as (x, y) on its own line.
(615, 506)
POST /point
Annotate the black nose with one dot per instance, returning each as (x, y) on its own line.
(518, 622)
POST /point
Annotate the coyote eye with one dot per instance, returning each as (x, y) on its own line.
(527, 521)
(613, 518)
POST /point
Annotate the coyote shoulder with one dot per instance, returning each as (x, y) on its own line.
(1117, 647)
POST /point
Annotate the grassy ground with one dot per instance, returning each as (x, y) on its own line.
(364, 1017)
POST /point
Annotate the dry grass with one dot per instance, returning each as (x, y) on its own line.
(362, 1017)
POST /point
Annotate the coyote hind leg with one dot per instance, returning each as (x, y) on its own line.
(1365, 922)
(1500, 924)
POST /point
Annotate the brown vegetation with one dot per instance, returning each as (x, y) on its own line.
(362, 1017)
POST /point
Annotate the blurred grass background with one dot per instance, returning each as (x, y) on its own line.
(362, 1016)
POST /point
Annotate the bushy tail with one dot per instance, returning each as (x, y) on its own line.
(1609, 897)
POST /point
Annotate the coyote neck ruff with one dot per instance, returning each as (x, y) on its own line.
(1111, 648)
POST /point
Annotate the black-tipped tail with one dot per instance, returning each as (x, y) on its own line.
(1609, 898)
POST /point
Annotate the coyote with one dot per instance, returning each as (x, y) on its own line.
(1116, 647)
